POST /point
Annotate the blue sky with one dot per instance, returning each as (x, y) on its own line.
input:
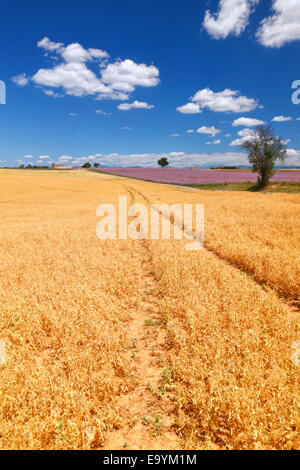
(122, 83)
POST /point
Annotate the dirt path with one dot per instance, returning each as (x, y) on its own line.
(147, 409)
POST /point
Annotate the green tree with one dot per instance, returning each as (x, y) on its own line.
(86, 165)
(163, 162)
(96, 165)
(264, 149)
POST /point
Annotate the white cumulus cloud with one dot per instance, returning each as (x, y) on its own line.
(232, 18)
(51, 46)
(77, 53)
(189, 108)
(281, 27)
(52, 93)
(208, 130)
(136, 105)
(126, 75)
(222, 101)
(245, 134)
(21, 79)
(282, 118)
(247, 122)
(74, 77)
(293, 152)
(65, 159)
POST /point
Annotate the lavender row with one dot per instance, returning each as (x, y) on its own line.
(194, 176)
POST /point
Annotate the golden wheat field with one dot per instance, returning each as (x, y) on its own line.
(140, 344)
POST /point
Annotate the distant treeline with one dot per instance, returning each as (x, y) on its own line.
(223, 168)
(23, 167)
(33, 167)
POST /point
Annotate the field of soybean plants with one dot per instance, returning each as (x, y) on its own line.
(139, 343)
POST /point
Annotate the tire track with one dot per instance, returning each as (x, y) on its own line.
(147, 409)
(293, 309)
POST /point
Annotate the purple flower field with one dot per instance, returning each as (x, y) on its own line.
(186, 176)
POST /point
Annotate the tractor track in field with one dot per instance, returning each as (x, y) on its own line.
(147, 409)
(293, 308)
